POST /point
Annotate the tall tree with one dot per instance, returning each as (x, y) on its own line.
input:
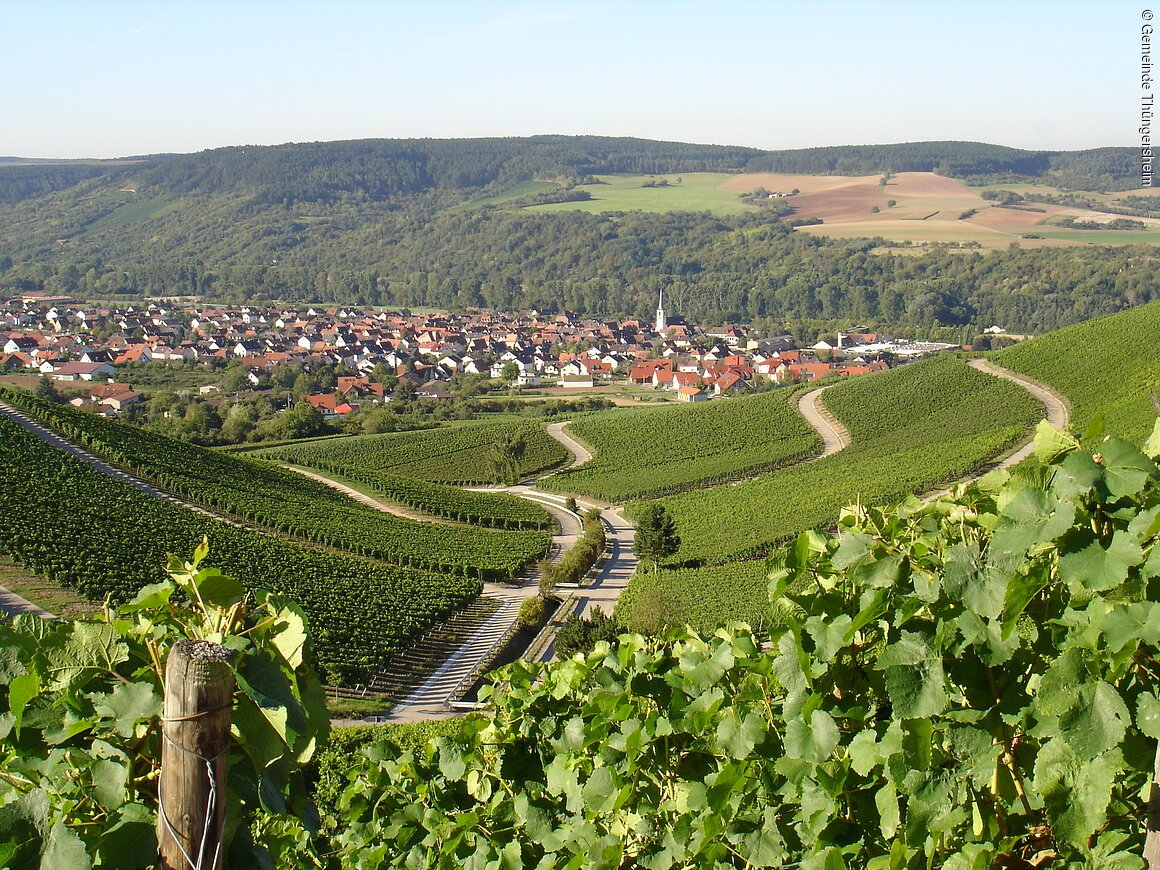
(656, 535)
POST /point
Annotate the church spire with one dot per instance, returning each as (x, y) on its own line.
(662, 322)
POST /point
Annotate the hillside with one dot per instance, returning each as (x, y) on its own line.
(1107, 368)
(455, 223)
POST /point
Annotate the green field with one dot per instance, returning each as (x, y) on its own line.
(650, 452)
(131, 213)
(697, 191)
(1106, 367)
(516, 191)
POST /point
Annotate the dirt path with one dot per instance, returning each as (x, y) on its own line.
(1055, 408)
(580, 453)
(835, 436)
(389, 507)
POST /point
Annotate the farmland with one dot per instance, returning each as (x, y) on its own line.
(457, 455)
(79, 527)
(912, 427)
(284, 502)
(915, 207)
(1107, 368)
(650, 452)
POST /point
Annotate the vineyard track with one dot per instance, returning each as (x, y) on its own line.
(835, 436)
(383, 505)
(580, 453)
(12, 604)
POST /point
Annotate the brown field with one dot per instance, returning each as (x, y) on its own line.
(928, 209)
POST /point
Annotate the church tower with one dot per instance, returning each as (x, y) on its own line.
(662, 323)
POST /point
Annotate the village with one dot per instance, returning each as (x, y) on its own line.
(380, 352)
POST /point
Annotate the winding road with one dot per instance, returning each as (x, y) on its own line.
(835, 436)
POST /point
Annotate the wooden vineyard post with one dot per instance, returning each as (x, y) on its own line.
(195, 746)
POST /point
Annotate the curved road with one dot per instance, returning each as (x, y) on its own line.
(835, 436)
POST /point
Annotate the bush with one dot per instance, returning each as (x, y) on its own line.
(531, 615)
(580, 635)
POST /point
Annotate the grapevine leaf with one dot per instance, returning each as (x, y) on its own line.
(90, 645)
(814, 740)
(149, 597)
(21, 690)
(217, 588)
(1075, 793)
(131, 842)
(64, 850)
(864, 753)
(1098, 569)
(886, 800)
(110, 779)
(1097, 722)
(1152, 445)
(1128, 470)
(127, 705)
(829, 635)
(289, 634)
(1148, 715)
(1051, 444)
(914, 677)
(1076, 475)
(764, 847)
(737, 736)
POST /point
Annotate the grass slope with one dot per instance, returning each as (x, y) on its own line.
(913, 428)
(649, 452)
(1106, 367)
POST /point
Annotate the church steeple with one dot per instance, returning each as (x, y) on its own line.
(662, 322)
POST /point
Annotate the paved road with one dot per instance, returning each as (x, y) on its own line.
(580, 453)
(835, 436)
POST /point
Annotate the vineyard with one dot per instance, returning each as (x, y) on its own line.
(102, 537)
(1107, 368)
(913, 428)
(702, 598)
(456, 455)
(652, 452)
(263, 494)
(412, 469)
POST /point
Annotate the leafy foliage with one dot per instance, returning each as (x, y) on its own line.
(581, 634)
(966, 683)
(656, 535)
(650, 452)
(80, 743)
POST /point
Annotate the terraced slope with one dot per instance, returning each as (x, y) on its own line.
(1106, 368)
(102, 536)
(913, 427)
(423, 469)
(652, 452)
(265, 495)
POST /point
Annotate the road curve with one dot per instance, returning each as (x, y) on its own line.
(835, 436)
(388, 507)
(580, 453)
(1055, 405)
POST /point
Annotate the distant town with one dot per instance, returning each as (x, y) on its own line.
(377, 353)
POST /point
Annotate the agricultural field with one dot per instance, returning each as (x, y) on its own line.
(456, 455)
(696, 191)
(99, 536)
(913, 428)
(271, 497)
(927, 208)
(651, 452)
(1107, 368)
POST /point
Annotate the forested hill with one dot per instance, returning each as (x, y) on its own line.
(440, 223)
(378, 169)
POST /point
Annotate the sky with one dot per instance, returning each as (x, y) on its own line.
(115, 78)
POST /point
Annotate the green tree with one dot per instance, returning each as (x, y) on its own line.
(46, 389)
(506, 456)
(656, 535)
(510, 372)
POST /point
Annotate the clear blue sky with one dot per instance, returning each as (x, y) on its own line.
(106, 78)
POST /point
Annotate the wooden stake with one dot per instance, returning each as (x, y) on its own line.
(1152, 840)
(195, 740)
